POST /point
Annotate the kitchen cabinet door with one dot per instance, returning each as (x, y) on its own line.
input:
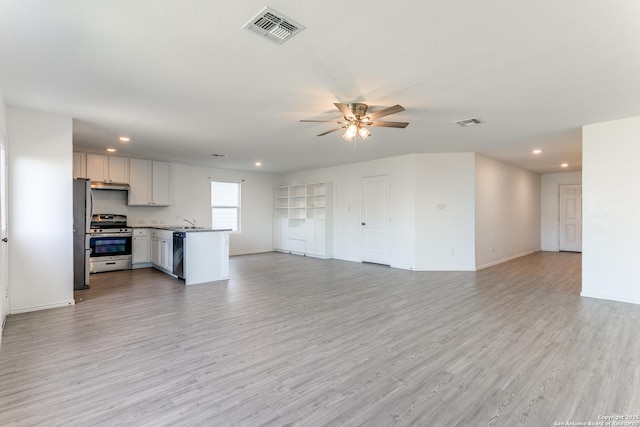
(79, 165)
(107, 168)
(97, 167)
(155, 251)
(149, 183)
(161, 183)
(166, 256)
(118, 169)
(139, 182)
(140, 247)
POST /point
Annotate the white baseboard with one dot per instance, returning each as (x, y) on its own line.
(42, 307)
(441, 268)
(500, 261)
(609, 297)
(2, 327)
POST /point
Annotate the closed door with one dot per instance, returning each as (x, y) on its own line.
(570, 218)
(376, 220)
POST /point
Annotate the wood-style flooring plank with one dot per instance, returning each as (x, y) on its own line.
(301, 341)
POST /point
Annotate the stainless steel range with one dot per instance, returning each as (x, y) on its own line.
(110, 241)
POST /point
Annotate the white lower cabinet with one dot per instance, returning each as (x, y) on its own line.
(141, 248)
(315, 237)
(162, 250)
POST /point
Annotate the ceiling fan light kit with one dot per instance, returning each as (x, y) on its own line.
(356, 121)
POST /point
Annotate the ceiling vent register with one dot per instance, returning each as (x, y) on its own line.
(469, 122)
(273, 26)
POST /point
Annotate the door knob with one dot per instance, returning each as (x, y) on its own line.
(364, 223)
(4, 239)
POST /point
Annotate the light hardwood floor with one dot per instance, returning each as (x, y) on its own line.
(300, 341)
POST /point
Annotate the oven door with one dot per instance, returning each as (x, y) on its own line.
(109, 252)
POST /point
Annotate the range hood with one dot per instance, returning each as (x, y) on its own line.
(99, 185)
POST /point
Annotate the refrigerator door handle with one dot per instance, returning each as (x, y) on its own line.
(87, 261)
(90, 209)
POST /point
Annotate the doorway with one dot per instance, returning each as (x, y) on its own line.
(376, 220)
(570, 218)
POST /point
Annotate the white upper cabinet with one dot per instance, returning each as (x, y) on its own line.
(103, 168)
(149, 183)
(139, 182)
(161, 183)
(79, 165)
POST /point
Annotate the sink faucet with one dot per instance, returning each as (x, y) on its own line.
(192, 222)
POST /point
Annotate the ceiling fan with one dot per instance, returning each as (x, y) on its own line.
(356, 120)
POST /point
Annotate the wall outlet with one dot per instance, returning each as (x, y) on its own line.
(154, 222)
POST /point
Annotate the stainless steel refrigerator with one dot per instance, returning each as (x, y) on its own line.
(82, 210)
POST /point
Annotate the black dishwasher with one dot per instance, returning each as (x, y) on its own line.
(178, 253)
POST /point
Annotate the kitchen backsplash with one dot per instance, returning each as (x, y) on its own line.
(115, 202)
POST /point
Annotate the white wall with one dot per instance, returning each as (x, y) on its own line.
(611, 207)
(192, 199)
(423, 236)
(3, 114)
(445, 212)
(4, 301)
(347, 181)
(549, 207)
(40, 210)
(507, 211)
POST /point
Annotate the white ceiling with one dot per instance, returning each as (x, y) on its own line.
(184, 80)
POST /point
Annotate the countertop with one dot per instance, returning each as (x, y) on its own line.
(181, 228)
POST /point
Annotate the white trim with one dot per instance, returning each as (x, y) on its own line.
(609, 297)
(439, 268)
(42, 307)
(4, 321)
(500, 261)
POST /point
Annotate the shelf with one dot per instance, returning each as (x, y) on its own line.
(317, 213)
(303, 219)
(298, 191)
(281, 192)
(319, 189)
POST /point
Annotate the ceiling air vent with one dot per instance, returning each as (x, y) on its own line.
(469, 122)
(273, 26)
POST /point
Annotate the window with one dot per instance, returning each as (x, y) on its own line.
(225, 205)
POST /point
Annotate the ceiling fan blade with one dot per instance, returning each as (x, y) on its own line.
(388, 124)
(329, 131)
(385, 112)
(344, 109)
(321, 121)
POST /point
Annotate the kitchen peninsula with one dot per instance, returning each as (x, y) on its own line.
(195, 255)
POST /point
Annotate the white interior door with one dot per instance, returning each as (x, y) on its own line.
(376, 220)
(570, 218)
(4, 249)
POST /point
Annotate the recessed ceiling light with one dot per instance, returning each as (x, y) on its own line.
(124, 139)
(258, 164)
(564, 165)
(111, 150)
(537, 151)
